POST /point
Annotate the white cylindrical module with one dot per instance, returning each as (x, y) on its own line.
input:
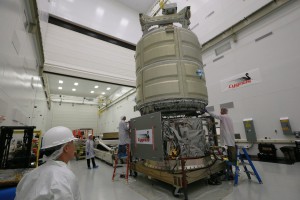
(167, 60)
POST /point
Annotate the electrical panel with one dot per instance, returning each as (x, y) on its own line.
(285, 125)
(250, 130)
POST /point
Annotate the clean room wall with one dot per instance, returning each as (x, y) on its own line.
(71, 53)
(110, 118)
(276, 59)
(74, 116)
(210, 18)
(22, 99)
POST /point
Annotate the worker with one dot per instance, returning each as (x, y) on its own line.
(227, 136)
(123, 137)
(226, 133)
(52, 180)
(90, 154)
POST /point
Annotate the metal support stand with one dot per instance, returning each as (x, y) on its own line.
(6, 133)
(184, 181)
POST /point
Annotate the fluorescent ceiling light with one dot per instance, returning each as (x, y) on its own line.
(60, 88)
(92, 92)
(76, 83)
(103, 93)
(108, 88)
(60, 81)
(73, 89)
(38, 85)
(96, 86)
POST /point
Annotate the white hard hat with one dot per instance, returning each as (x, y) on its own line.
(56, 136)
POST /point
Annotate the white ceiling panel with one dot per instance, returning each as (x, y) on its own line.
(83, 89)
(142, 6)
(77, 90)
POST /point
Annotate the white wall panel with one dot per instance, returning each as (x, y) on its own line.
(44, 8)
(277, 59)
(72, 53)
(19, 81)
(110, 118)
(73, 117)
(106, 16)
(215, 16)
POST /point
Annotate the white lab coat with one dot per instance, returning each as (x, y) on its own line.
(53, 180)
(89, 149)
(123, 133)
(226, 129)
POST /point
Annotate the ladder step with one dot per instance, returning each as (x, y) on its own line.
(252, 173)
(120, 165)
(246, 163)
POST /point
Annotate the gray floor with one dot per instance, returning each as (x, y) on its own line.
(280, 182)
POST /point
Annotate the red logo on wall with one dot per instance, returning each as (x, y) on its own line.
(240, 81)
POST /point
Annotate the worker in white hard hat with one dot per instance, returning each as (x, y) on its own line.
(89, 151)
(52, 180)
(123, 137)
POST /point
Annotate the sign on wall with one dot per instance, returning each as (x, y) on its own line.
(144, 136)
(241, 80)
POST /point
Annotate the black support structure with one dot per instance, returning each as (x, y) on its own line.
(6, 135)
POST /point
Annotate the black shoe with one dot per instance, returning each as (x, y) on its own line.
(122, 175)
(218, 182)
(214, 182)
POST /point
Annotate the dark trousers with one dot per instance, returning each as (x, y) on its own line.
(88, 162)
(122, 151)
(232, 157)
(232, 154)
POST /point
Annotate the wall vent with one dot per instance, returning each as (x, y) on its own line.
(223, 48)
(263, 36)
(219, 58)
(210, 14)
(227, 105)
(210, 108)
